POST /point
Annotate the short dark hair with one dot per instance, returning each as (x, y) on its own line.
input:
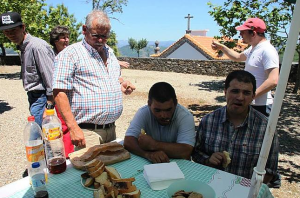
(261, 34)
(162, 92)
(241, 76)
(59, 30)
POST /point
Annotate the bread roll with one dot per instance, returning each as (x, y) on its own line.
(228, 160)
(112, 172)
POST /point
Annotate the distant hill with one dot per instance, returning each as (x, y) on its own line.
(146, 52)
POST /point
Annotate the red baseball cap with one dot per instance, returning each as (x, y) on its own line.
(255, 24)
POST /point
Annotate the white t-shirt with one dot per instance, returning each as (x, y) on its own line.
(180, 130)
(259, 59)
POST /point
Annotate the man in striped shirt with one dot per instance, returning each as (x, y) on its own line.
(87, 85)
(236, 128)
(36, 63)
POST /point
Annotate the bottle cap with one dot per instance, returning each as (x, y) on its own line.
(35, 165)
(31, 118)
(50, 112)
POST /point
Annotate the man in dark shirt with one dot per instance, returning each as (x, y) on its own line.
(37, 65)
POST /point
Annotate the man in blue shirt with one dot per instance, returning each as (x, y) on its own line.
(169, 127)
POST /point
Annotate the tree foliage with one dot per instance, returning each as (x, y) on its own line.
(109, 6)
(112, 42)
(277, 15)
(137, 45)
(39, 20)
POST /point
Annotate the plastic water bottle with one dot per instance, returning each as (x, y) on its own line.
(54, 146)
(38, 181)
(34, 145)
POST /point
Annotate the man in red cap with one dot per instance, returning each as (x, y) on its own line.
(261, 60)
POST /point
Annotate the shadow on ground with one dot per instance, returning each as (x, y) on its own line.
(288, 125)
(4, 106)
(210, 86)
(214, 85)
(12, 76)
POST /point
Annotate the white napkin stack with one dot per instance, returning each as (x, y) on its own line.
(160, 176)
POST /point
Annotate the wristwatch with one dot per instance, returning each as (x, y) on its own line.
(49, 106)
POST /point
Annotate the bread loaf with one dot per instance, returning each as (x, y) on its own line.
(108, 153)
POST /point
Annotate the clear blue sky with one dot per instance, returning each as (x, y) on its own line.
(161, 20)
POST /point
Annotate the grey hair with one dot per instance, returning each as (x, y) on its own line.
(100, 16)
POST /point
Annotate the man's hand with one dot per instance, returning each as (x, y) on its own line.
(77, 136)
(157, 157)
(126, 87)
(216, 45)
(124, 64)
(216, 159)
(147, 143)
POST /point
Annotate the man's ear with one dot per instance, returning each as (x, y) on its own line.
(149, 103)
(225, 90)
(84, 29)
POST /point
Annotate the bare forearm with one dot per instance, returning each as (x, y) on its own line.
(63, 105)
(175, 150)
(131, 144)
(269, 83)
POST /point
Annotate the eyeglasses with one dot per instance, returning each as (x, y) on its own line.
(98, 36)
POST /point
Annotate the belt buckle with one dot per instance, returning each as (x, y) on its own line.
(103, 126)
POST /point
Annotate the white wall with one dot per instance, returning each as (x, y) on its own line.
(186, 51)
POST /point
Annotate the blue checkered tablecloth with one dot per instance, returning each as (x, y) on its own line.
(68, 183)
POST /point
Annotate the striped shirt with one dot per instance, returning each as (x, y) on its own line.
(37, 66)
(217, 134)
(94, 91)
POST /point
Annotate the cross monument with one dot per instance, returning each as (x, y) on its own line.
(188, 31)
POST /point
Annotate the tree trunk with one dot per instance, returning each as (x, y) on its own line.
(297, 84)
(3, 50)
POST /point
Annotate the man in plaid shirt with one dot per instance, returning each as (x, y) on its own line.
(87, 85)
(236, 128)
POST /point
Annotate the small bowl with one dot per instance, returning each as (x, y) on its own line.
(191, 185)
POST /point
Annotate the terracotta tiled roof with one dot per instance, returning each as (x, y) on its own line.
(202, 44)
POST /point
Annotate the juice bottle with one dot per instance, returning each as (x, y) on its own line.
(54, 147)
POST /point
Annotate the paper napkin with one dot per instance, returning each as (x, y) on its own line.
(160, 176)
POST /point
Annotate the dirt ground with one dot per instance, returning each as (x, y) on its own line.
(201, 94)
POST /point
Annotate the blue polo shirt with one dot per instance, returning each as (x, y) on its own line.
(180, 130)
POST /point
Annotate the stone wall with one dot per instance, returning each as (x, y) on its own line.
(202, 67)
(211, 68)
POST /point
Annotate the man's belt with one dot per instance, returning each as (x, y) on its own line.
(38, 91)
(95, 126)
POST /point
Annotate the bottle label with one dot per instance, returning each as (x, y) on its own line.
(54, 133)
(35, 153)
(38, 180)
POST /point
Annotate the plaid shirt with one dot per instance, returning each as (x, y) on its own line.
(217, 134)
(94, 91)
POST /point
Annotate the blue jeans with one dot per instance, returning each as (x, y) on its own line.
(37, 104)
